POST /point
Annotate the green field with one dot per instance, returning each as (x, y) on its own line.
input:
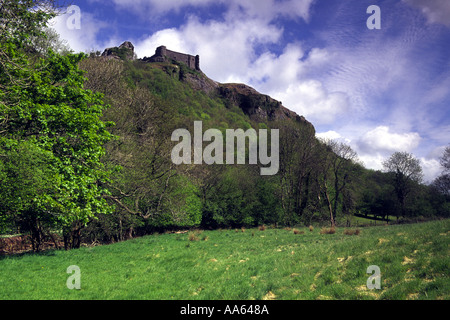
(243, 265)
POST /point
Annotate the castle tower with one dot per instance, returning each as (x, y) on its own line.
(161, 51)
(197, 62)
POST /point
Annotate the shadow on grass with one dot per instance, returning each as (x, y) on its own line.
(48, 252)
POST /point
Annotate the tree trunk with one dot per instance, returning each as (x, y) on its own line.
(333, 224)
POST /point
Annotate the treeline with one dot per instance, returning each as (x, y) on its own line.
(85, 153)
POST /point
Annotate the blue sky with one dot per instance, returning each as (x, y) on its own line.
(380, 90)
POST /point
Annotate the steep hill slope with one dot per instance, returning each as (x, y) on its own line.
(258, 107)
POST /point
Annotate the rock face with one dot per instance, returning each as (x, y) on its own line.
(125, 52)
(256, 105)
(201, 82)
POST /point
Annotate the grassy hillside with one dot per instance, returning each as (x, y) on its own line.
(244, 264)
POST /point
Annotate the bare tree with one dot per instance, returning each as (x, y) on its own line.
(336, 173)
(445, 160)
(345, 156)
(442, 183)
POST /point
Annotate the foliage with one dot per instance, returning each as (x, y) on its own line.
(51, 137)
(406, 174)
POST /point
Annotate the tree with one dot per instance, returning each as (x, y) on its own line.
(20, 21)
(445, 159)
(341, 164)
(50, 39)
(337, 161)
(407, 173)
(298, 153)
(51, 136)
(442, 183)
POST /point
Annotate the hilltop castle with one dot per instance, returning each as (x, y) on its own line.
(126, 51)
(164, 55)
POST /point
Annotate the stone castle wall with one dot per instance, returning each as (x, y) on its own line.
(162, 54)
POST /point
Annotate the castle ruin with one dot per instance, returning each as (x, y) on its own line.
(162, 54)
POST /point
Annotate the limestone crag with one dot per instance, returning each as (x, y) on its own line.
(124, 52)
(256, 105)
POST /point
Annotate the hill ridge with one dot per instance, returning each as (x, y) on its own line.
(256, 105)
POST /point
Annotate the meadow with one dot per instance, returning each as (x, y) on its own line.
(244, 264)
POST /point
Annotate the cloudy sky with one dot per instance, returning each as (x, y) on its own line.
(380, 90)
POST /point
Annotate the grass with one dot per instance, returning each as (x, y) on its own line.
(225, 264)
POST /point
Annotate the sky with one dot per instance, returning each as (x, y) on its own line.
(380, 90)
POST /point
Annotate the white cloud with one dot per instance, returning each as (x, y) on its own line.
(261, 9)
(381, 140)
(431, 169)
(271, 9)
(312, 100)
(436, 11)
(373, 162)
(84, 38)
(329, 135)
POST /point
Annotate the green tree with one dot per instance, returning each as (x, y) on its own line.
(407, 173)
(52, 138)
(298, 153)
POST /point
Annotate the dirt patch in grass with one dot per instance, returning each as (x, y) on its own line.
(270, 296)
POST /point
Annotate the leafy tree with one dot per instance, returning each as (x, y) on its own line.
(407, 174)
(47, 117)
(49, 39)
(298, 153)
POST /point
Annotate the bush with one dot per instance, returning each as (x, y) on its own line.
(192, 236)
(352, 232)
(331, 230)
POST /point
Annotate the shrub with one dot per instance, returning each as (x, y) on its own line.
(331, 230)
(194, 235)
(351, 232)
